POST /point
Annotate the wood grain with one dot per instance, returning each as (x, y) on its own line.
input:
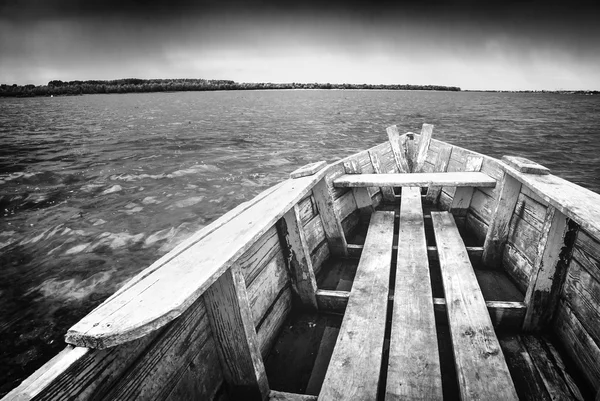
(414, 363)
(456, 179)
(353, 371)
(481, 369)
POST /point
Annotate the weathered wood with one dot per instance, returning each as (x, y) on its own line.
(424, 141)
(272, 322)
(495, 240)
(314, 233)
(151, 302)
(354, 368)
(561, 367)
(480, 365)
(388, 192)
(462, 196)
(456, 179)
(283, 396)
(548, 270)
(261, 253)
(332, 301)
(265, 289)
(475, 252)
(524, 237)
(332, 223)
(477, 227)
(298, 258)
(308, 209)
(362, 198)
(575, 202)
(504, 315)
(440, 166)
(232, 325)
(517, 266)
(397, 149)
(582, 292)
(549, 372)
(530, 210)
(527, 380)
(524, 165)
(414, 364)
(309, 169)
(578, 344)
(345, 205)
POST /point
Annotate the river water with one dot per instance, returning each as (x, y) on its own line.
(94, 188)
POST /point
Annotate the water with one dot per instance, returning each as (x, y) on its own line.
(95, 188)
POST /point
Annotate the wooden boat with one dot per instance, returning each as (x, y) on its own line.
(411, 270)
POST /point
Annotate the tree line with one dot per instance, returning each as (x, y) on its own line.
(134, 85)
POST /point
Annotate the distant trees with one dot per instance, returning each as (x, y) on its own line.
(128, 85)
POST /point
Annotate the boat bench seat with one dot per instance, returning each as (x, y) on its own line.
(414, 363)
(454, 179)
(481, 369)
(354, 369)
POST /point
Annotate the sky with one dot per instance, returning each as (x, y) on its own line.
(477, 45)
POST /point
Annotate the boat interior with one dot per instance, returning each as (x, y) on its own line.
(415, 269)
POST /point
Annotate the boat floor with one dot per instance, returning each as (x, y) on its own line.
(300, 357)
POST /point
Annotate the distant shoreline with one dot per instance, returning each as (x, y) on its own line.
(134, 85)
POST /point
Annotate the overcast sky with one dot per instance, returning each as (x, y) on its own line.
(471, 44)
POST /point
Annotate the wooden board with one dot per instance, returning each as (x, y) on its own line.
(397, 149)
(481, 369)
(495, 240)
(388, 192)
(421, 153)
(440, 166)
(308, 169)
(575, 202)
(578, 343)
(353, 372)
(456, 179)
(150, 303)
(524, 165)
(504, 315)
(298, 258)
(231, 321)
(548, 273)
(414, 363)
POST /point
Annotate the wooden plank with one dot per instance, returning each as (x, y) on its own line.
(345, 205)
(332, 223)
(151, 302)
(388, 192)
(256, 258)
(561, 367)
(308, 209)
(424, 141)
(463, 195)
(524, 237)
(517, 266)
(314, 233)
(414, 364)
(531, 210)
(575, 202)
(527, 380)
(272, 322)
(353, 372)
(477, 227)
(283, 396)
(578, 344)
(297, 253)
(480, 365)
(309, 169)
(549, 268)
(456, 179)
(232, 325)
(495, 240)
(504, 315)
(332, 301)
(263, 291)
(553, 382)
(524, 165)
(582, 292)
(399, 152)
(441, 165)
(319, 255)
